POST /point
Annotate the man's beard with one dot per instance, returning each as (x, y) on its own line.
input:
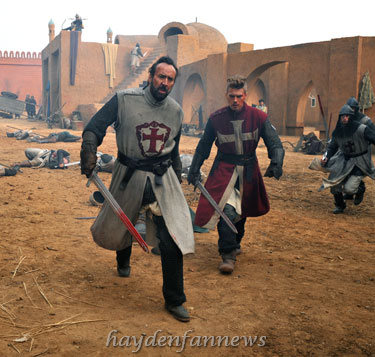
(345, 130)
(156, 94)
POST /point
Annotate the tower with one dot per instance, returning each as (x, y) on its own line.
(109, 35)
(51, 28)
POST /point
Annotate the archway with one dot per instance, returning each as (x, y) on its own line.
(256, 92)
(172, 31)
(193, 98)
(255, 83)
(308, 114)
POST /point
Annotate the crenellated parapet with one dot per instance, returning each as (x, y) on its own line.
(18, 54)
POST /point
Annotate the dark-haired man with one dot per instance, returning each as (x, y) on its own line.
(348, 157)
(147, 176)
(262, 106)
(235, 181)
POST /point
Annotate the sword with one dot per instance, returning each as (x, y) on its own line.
(72, 163)
(117, 209)
(215, 206)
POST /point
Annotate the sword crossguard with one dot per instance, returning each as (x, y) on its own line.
(92, 176)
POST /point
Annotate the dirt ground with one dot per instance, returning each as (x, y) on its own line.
(306, 279)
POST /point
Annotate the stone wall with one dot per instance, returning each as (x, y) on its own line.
(21, 73)
(331, 69)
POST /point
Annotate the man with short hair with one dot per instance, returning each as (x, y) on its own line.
(146, 176)
(348, 157)
(235, 181)
(262, 106)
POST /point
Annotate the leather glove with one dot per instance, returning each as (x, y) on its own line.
(274, 170)
(88, 153)
(194, 175)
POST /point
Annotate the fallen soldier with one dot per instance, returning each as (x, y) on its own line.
(63, 136)
(53, 159)
(19, 134)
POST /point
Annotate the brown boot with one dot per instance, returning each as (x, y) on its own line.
(227, 265)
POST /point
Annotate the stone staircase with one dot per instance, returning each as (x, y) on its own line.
(140, 76)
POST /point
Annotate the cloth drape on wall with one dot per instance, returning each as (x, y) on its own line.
(73, 55)
(110, 56)
(366, 96)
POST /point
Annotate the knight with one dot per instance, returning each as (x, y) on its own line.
(146, 177)
(348, 159)
(235, 181)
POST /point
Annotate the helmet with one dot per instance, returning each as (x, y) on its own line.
(106, 158)
(353, 103)
(346, 110)
(96, 198)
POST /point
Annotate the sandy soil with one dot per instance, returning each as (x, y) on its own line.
(305, 280)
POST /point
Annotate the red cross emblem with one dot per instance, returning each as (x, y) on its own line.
(152, 137)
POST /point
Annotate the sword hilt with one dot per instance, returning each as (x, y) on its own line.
(92, 176)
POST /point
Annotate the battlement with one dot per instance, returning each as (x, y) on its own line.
(21, 73)
(18, 54)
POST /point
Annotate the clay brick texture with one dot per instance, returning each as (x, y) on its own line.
(21, 73)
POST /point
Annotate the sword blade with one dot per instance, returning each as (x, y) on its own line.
(72, 163)
(216, 207)
(117, 209)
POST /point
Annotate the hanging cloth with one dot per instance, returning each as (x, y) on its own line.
(73, 55)
(366, 95)
(110, 56)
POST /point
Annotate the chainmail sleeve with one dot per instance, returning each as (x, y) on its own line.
(106, 116)
(205, 143)
(332, 148)
(273, 143)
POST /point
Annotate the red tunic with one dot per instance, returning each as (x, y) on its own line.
(234, 133)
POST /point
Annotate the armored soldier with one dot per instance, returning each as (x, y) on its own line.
(235, 181)
(146, 176)
(53, 159)
(348, 158)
